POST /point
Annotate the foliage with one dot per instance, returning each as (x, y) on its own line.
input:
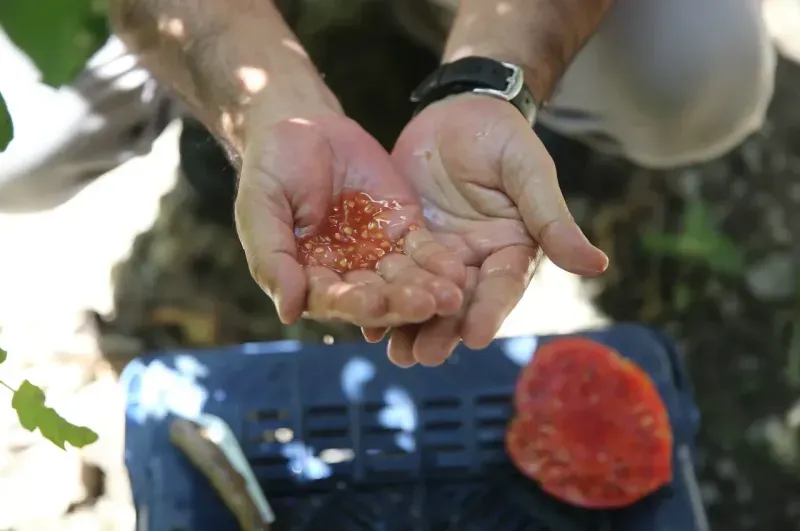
(699, 241)
(6, 127)
(29, 402)
(59, 36)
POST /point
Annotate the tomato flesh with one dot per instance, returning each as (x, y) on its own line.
(355, 235)
(591, 428)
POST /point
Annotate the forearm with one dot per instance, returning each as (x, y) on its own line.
(543, 36)
(222, 56)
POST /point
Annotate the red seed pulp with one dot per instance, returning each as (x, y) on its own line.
(354, 235)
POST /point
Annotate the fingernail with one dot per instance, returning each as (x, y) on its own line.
(602, 261)
(587, 259)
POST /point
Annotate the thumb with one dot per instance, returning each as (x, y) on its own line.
(265, 227)
(285, 184)
(530, 179)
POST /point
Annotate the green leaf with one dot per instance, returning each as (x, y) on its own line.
(80, 436)
(6, 126)
(53, 427)
(58, 35)
(29, 402)
(700, 242)
(3, 355)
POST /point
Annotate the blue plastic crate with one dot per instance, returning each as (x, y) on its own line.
(427, 445)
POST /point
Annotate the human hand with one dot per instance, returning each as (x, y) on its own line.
(490, 193)
(292, 170)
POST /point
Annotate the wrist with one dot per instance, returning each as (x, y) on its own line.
(478, 76)
(540, 36)
(535, 74)
(301, 100)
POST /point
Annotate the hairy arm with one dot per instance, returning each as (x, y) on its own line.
(542, 36)
(233, 62)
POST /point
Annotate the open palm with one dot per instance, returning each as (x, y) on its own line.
(489, 192)
(291, 174)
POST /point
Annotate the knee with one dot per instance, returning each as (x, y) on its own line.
(698, 99)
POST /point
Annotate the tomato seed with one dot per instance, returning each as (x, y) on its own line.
(353, 236)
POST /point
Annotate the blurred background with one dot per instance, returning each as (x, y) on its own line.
(141, 260)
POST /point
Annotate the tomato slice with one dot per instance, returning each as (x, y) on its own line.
(591, 428)
(355, 235)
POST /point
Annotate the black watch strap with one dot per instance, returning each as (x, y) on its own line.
(478, 75)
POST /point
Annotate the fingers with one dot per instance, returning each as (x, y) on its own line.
(272, 253)
(400, 271)
(435, 257)
(374, 334)
(285, 281)
(490, 295)
(566, 245)
(433, 342)
(428, 265)
(400, 292)
(330, 297)
(502, 281)
(401, 346)
(437, 340)
(529, 175)
(364, 299)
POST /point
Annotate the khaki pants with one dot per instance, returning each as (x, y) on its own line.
(663, 83)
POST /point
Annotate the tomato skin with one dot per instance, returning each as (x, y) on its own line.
(355, 235)
(590, 427)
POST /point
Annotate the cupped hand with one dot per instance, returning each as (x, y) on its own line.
(490, 194)
(292, 171)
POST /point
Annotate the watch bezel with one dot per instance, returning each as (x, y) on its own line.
(514, 84)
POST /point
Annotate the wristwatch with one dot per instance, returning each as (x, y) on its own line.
(477, 75)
